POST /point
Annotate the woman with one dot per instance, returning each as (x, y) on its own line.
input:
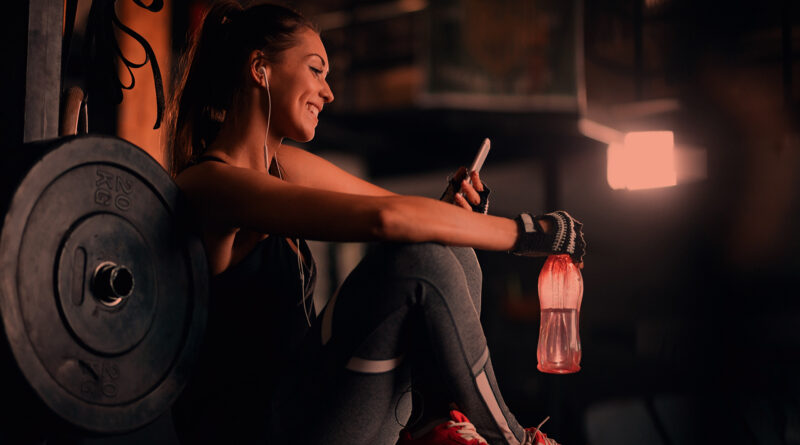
(407, 317)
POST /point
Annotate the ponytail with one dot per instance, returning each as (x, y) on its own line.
(211, 71)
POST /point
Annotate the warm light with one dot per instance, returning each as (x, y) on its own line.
(645, 160)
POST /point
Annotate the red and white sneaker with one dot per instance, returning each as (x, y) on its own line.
(458, 431)
(535, 436)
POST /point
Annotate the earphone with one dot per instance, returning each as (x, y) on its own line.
(306, 310)
(263, 72)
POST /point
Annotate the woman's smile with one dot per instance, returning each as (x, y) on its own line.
(314, 109)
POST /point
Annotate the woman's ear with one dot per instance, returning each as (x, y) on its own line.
(258, 69)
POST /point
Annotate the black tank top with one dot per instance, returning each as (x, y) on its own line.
(260, 302)
(256, 322)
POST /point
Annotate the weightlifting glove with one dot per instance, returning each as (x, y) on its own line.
(454, 183)
(483, 205)
(565, 236)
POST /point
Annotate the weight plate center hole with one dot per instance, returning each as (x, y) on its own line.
(112, 283)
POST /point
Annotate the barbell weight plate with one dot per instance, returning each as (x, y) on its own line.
(103, 294)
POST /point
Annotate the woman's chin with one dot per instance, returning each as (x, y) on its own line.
(304, 136)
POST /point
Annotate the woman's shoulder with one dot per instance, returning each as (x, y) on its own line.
(226, 195)
(190, 178)
(195, 183)
(201, 172)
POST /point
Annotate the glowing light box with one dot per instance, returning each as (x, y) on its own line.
(645, 159)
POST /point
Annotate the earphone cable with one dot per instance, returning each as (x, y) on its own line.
(269, 115)
(306, 310)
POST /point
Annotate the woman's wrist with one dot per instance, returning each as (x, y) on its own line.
(513, 226)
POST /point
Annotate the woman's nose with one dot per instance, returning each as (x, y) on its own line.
(327, 93)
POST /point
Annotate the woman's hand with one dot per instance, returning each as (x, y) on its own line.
(471, 194)
(553, 233)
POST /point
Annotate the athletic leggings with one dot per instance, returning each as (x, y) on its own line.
(403, 326)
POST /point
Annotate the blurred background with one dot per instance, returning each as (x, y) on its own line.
(668, 127)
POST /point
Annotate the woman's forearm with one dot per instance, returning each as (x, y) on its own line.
(417, 219)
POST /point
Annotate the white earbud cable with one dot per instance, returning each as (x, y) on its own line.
(306, 310)
(269, 115)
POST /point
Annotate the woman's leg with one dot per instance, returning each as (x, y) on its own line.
(399, 294)
(431, 396)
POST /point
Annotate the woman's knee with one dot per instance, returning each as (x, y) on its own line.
(392, 275)
(469, 262)
(454, 271)
(425, 259)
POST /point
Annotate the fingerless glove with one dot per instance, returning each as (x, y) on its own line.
(483, 205)
(454, 183)
(565, 237)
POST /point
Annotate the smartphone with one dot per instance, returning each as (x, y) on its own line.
(477, 163)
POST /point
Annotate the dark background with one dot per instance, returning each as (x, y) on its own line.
(690, 311)
(690, 317)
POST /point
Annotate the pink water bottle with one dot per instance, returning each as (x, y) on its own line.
(560, 294)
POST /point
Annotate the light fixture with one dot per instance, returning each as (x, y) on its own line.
(644, 160)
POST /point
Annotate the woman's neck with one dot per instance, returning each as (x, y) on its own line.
(241, 138)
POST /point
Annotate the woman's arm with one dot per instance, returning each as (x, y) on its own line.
(239, 197)
(304, 168)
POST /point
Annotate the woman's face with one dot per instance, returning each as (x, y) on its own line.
(299, 89)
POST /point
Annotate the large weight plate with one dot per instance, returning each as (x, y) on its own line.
(103, 295)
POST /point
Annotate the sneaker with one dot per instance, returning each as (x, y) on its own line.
(535, 436)
(457, 431)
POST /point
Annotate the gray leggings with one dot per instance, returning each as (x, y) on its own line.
(403, 327)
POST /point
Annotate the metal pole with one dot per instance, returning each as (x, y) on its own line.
(787, 55)
(43, 69)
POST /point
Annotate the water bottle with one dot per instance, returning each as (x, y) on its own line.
(560, 294)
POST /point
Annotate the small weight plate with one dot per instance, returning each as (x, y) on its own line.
(103, 295)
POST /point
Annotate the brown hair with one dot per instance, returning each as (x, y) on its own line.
(211, 71)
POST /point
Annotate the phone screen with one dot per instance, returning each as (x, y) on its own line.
(477, 163)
